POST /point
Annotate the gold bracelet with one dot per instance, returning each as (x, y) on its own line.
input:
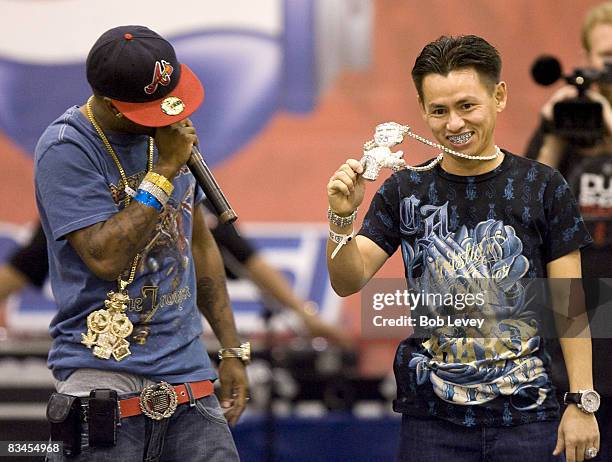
(161, 181)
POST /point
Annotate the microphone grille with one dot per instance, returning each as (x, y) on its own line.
(546, 70)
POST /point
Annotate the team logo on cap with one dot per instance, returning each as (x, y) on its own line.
(161, 76)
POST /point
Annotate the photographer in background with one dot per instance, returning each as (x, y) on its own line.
(588, 170)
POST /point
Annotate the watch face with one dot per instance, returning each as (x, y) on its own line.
(590, 401)
(246, 352)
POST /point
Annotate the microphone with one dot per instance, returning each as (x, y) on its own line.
(207, 182)
(546, 70)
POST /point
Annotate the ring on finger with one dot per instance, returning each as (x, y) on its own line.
(591, 452)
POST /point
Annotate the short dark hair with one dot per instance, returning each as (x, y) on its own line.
(449, 53)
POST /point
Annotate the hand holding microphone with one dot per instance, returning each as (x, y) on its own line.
(176, 145)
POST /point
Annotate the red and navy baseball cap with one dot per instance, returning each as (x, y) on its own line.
(138, 70)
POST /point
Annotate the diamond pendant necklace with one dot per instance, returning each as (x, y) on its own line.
(440, 156)
(107, 328)
(377, 151)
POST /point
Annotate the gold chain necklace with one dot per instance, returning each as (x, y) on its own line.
(107, 328)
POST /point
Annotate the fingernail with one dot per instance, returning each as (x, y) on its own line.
(225, 404)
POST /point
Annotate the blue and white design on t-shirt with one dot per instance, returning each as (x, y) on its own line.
(497, 358)
(491, 234)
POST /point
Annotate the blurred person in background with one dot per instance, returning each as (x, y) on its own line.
(27, 265)
(588, 170)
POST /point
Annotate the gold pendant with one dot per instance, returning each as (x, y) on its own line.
(107, 328)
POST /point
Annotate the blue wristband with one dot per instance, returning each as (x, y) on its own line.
(148, 199)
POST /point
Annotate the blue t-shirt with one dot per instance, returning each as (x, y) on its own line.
(503, 226)
(77, 185)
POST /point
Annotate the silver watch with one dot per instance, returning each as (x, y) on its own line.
(588, 401)
(243, 352)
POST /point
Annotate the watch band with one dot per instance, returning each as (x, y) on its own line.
(243, 352)
(230, 353)
(571, 398)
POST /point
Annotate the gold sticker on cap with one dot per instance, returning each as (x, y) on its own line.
(172, 106)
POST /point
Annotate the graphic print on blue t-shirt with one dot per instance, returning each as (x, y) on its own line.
(468, 369)
(79, 185)
(165, 258)
(490, 232)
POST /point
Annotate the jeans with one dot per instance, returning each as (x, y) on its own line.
(437, 440)
(192, 434)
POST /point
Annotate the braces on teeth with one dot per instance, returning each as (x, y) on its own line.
(464, 137)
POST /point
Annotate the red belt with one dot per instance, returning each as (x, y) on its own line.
(160, 400)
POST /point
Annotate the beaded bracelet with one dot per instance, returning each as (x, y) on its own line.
(148, 199)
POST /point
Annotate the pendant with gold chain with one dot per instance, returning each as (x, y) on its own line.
(108, 328)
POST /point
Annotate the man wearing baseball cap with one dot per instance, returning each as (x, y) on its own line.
(131, 262)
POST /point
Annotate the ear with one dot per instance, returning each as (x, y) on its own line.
(422, 108)
(501, 95)
(108, 103)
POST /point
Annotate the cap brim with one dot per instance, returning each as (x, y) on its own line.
(189, 90)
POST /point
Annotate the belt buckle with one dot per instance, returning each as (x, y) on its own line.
(158, 401)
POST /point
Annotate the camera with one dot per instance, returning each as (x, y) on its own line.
(578, 120)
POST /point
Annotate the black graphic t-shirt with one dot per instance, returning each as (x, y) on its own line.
(502, 226)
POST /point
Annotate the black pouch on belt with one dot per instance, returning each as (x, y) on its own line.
(102, 417)
(64, 416)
